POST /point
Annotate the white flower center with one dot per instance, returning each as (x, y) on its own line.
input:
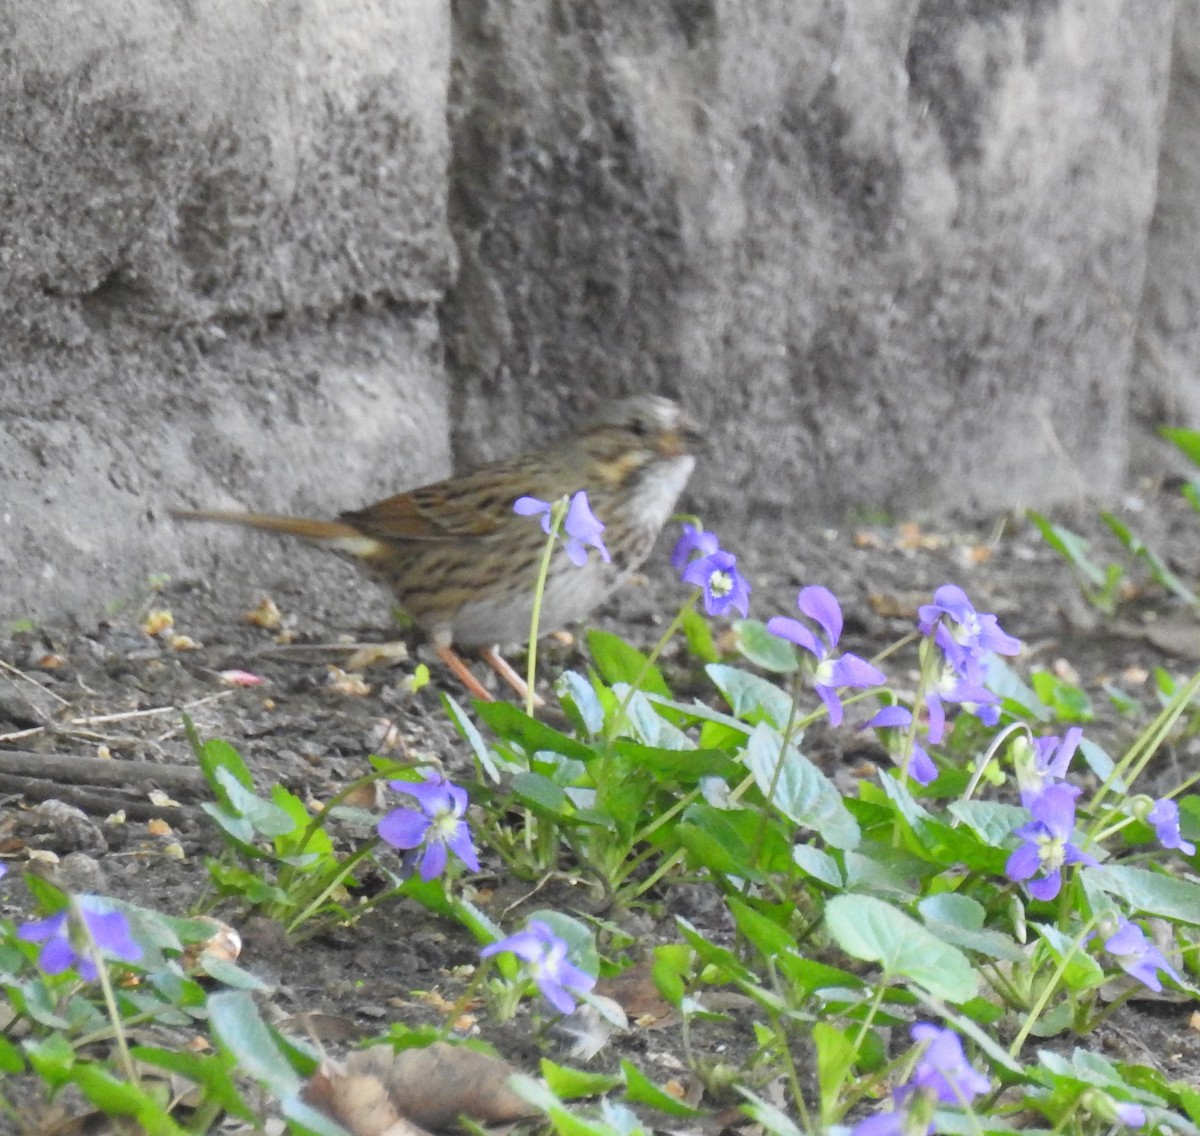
(1051, 852)
(720, 583)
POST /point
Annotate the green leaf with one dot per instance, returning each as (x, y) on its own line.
(265, 816)
(116, 1097)
(243, 1034)
(11, 1060)
(768, 937)
(579, 700)
(1150, 892)
(210, 1071)
(541, 794)
(959, 919)
(836, 1052)
(722, 840)
(698, 633)
(513, 724)
(1071, 547)
(1187, 441)
(467, 730)
(564, 1122)
(820, 865)
(763, 649)
(229, 974)
(886, 870)
(899, 793)
(1083, 972)
(676, 766)
(808, 976)
(870, 929)
(641, 1090)
(802, 792)
(216, 755)
(672, 964)
(713, 842)
(773, 1120)
(1100, 764)
(52, 1058)
(642, 713)
(1069, 702)
(727, 966)
(1016, 697)
(1155, 563)
(569, 1084)
(992, 821)
(230, 879)
(750, 697)
(617, 662)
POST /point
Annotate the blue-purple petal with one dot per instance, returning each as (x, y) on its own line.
(821, 605)
(890, 716)
(433, 861)
(1054, 807)
(459, 842)
(403, 828)
(851, 670)
(57, 954)
(921, 768)
(1023, 863)
(795, 632)
(1047, 887)
(833, 704)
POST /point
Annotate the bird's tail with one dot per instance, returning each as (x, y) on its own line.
(336, 535)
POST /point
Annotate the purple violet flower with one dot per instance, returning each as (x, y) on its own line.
(942, 1074)
(830, 674)
(1137, 956)
(692, 541)
(969, 636)
(1165, 819)
(1131, 1115)
(109, 930)
(437, 826)
(952, 687)
(881, 1124)
(943, 1068)
(580, 526)
(920, 766)
(545, 954)
(724, 586)
(1045, 762)
(1047, 843)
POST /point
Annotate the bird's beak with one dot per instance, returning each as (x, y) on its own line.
(684, 439)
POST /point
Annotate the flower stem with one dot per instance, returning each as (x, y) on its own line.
(618, 718)
(557, 513)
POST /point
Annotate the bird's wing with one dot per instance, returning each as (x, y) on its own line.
(471, 507)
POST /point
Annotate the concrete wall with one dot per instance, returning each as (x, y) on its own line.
(285, 254)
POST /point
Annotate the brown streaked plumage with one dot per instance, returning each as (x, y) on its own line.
(463, 565)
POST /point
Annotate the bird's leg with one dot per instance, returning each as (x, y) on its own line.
(462, 672)
(503, 668)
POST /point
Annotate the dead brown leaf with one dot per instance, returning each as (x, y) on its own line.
(381, 1093)
(157, 621)
(342, 682)
(910, 535)
(376, 654)
(266, 615)
(891, 605)
(635, 992)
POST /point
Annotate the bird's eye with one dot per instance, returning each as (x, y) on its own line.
(640, 427)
